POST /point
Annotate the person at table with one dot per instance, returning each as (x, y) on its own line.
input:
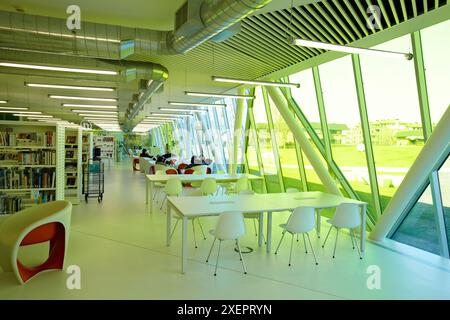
(144, 154)
(168, 154)
(195, 161)
(160, 160)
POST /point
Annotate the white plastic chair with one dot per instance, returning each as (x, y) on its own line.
(230, 226)
(301, 221)
(208, 186)
(158, 185)
(173, 187)
(191, 193)
(347, 215)
(292, 190)
(239, 185)
(253, 216)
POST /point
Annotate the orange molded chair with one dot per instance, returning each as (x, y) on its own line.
(135, 162)
(42, 223)
(188, 184)
(171, 171)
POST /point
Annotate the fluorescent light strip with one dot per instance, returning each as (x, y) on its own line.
(68, 105)
(183, 110)
(13, 108)
(218, 95)
(69, 87)
(256, 82)
(97, 116)
(34, 115)
(3, 101)
(347, 49)
(94, 111)
(195, 104)
(50, 68)
(22, 113)
(52, 96)
(174, 115)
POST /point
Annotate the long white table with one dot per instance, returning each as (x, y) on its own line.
(220, 178)
(188, 207)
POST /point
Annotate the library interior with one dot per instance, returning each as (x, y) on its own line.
(225, 149)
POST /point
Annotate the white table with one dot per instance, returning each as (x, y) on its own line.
(188, 207)
(220, 178)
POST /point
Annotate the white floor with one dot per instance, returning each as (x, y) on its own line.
(121, 252)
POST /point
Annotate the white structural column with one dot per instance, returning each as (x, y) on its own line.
(436, 147)
(300, 136)
(237, 133)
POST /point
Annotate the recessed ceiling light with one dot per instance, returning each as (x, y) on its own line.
(20, 112)
(50, 68)
(94, 111)
(13, 108)
(69, 87)
(195, 104)
(183, 110)
(218, 95)
(94, 106)
(175, 115)
(3, 101)
(81, 98)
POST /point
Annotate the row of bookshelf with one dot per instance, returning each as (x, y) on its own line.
(27, 139)
(10, 204)
(28, 157)
(27, 178)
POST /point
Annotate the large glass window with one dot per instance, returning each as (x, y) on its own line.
(394, 114)
(436, 53)
(418, 229)
(306, 98)
(263, 132)
(344, 124)
(286, 149)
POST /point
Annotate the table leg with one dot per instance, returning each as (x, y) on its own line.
(269, 231)
(363, 230)
(151, 196)
(260, 229)
(318, 222)
(184, 247)
(146, 191)
(169, 222)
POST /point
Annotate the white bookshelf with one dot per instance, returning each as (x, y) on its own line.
(31, 167)
(73, 164)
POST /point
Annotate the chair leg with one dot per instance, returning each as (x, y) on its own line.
(217, 261)
(297, 237)
(201, 228)
(290, 254)
(351, 237)
(240, 256)
(356, 242)
(326, 238)
(210, 250)
(174, 227)
(279, 243)
(304, 242)
(162, 203)
(254, 227)
(312, 249)
(193, 229)
(335, 243)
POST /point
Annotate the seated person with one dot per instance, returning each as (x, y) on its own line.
(160, 160)
(144, 154)
(168, 154)
(195, 161)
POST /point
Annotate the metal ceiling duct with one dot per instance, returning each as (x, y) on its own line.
(97, 40)
(101, 41)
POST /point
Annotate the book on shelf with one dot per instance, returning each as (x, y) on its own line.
(28, 157)
(10, 204)
(8, 138)
(27, 178)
